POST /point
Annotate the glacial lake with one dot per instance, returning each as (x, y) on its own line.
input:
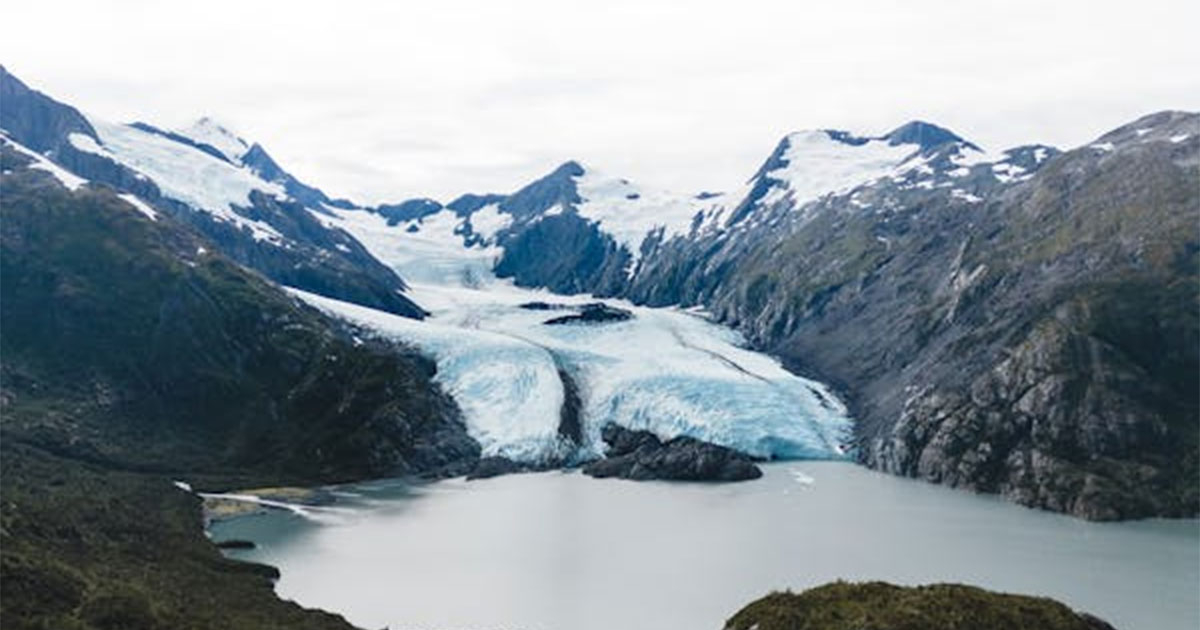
(562, 551)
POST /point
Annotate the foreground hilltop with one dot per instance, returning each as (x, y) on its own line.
(848, 606)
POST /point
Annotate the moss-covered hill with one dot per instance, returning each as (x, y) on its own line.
(131, 355)
(882, 606)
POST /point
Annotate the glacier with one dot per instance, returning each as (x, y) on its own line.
(666, 370)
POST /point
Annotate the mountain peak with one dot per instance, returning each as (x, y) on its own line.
(208, 131)
(926, 135)
(570, 168)
(556, 188)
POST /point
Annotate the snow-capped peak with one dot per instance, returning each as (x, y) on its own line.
(185, 172)
(218, 136)
(629, 211)
(811, 164)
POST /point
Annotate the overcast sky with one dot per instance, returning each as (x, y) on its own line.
(390, 100)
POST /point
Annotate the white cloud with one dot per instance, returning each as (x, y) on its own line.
(382, 101)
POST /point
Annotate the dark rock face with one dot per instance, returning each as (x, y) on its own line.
(469, 203)
(640, 455)
(36, 120)
(542, 306)
(565, 253)
(927, 136)
(1038, 342)
(488, 467)
(1027, 328)
(265, 167)
(408, 210)
(557, 188)
(235, 543)
(570, 421)
(596, 313)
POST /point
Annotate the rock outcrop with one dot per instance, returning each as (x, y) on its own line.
(597, 313)
(641, 455)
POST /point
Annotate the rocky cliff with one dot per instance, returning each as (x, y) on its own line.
(1035, 338)
(1022, 324)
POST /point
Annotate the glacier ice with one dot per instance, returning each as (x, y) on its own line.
(669, 371)
(176, 168)
(509, 390)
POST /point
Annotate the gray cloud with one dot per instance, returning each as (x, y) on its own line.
(381, 101)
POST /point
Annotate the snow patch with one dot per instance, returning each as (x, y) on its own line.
(208, 131)
(1006, 172)
(971, 157)
(139, 205)
(488, 221)
(184, 173)
(68, 179)
(629, 212)
(818, 165)
(965, 196)
(433, 253)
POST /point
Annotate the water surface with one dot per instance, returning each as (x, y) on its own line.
(563, 551)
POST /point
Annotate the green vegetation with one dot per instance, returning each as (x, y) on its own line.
(87, 547)
(132, 355)
(129, 342)
(882, 606)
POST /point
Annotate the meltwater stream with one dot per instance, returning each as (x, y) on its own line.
(562, 551)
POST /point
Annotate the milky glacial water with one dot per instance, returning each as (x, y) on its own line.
(560, 550)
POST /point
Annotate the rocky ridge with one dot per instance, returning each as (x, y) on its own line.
(1021, 323)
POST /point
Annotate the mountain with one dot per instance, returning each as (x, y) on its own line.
(136, 354)
(230, 190)
(138, 319)
(1025, 326)
(976, 309)
(578, 229)
(1021, 322)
